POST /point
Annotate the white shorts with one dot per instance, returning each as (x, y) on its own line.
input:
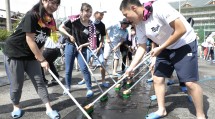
(108, 49)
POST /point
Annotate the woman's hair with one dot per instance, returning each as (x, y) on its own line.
(40, 10)
(86, 7)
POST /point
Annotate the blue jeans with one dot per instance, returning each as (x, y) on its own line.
(70, 54)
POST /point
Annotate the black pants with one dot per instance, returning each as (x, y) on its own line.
(125, 53)
(51, 55)
(211, 53)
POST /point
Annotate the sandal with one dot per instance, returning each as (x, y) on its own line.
(53, 114)
(81, 82)
(149, 80)
(153, 115)
(89, 93)
(153, 97)
(17, 114)
(170, 82)
(116, 74)
(184, 89)
(106, 85)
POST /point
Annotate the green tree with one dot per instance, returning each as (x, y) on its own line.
(4, 34)
(200, 33)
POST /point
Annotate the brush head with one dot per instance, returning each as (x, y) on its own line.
(104, 98)
(126, 92)
(129, 83)
(89, 109)
(117, 87)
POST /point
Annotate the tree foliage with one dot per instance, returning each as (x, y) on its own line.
(4, 34)
(200, 33)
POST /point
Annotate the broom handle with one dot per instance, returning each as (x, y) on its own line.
(101, 64)
(74, 100)
(111, 45)
(140, 71)
(122, 78)
(89, 68)
(139, 80)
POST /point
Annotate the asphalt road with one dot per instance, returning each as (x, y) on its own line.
(135, 107)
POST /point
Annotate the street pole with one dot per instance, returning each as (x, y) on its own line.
(8, 17)
(179, 6)
(204, 33)
(64, 11)
(71, 11)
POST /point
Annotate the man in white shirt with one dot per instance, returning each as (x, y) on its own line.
(177, 49)
(116, 35)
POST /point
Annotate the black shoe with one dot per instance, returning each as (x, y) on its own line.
(46, 83)
(54, 81)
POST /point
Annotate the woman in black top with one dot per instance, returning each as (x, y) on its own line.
(23, 54)
(79, 29)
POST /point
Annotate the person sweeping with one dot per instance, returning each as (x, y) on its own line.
(23, 54)
(177, 49)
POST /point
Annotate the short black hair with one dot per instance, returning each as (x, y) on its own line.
(125, 3)
(191, 21)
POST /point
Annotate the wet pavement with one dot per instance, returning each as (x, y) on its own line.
(118, 107)
(135, 107)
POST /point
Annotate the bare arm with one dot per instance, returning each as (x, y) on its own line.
(137, 58)
(62, 28)
(36, 51)
(85, 44)
(179, 31)
(153, 45)
(33, 46)
(101, 42)
(114, 49)
(120, 43)
(107, 37)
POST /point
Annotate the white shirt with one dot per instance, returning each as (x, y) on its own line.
(116, 33)
(51, 44)
(157, 27)
(210, 41)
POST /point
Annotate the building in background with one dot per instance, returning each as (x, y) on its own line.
(202, 12)
(15, 16)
